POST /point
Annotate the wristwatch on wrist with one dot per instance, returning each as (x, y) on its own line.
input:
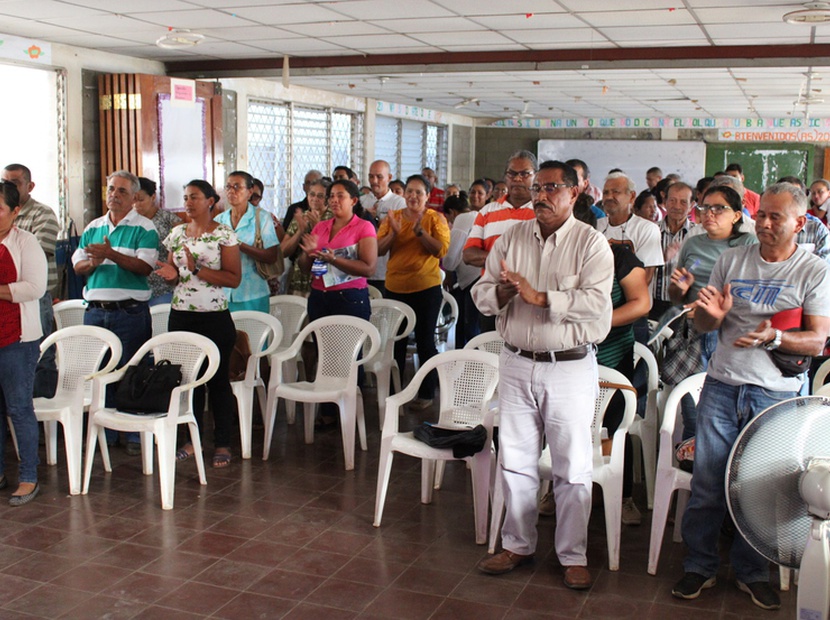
(775, 342)
(196, 270)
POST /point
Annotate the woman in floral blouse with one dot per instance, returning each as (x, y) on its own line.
(203, 258)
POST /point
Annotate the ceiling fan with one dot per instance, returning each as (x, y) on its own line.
(524, 113)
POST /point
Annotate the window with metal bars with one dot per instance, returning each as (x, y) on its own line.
(285, 141)
(411, 146)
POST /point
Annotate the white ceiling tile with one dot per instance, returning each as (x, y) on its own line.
(519, 21)
(377, 9)
(285, 14)
(295, 47)
(194, 20)
(449, 25)
(652, 17)
(481, 38)
(37, 9)
(248, 32)
(642, 34)
(134, 7)
(340, 28)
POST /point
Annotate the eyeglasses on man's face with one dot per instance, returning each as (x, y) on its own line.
(547, 188)
(521, 174)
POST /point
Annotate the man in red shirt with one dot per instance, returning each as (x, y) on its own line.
(436, 196)
(752, 200)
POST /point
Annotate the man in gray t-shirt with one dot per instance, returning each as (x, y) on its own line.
(749, 289)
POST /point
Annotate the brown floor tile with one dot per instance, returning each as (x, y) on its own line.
(306, 611)
(287, 584)
(340, 542)
(344, 594)
(248, 605)
(212, 544)
(427, 580)
(614, 606)
(375, 572)
(261, 552)
(320, 563)
(155, 612)
(454, 609)
(117, 528)
(40, 567)
(198, 597)
(142, 587)
(47, 601)
(12, 587)
(91, 577)
(234, 575)
(129, 555)
(105, 608)
(404, 605)
(180, 564)
(487, 589)
(566, 602)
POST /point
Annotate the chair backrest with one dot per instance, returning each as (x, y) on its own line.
(69, 313)
(467, 379)
(447, 315)
(160, 316)
(492, 342)
(642, 352)
(80, 353)
(820, 377)
(671, 429)
(387, 316)
(339, 341)
(264, 331)
(374, 292)
(611, 381)
(291, 311)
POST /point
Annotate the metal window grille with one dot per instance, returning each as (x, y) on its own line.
(411, 146)
(63, 206)
(285, 141)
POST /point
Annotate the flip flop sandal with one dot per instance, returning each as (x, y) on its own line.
(221, 460)
(183, 455)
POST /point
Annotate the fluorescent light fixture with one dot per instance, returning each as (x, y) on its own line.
(178, 38)
(814, 14)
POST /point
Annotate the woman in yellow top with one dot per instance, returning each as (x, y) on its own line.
(416, 239)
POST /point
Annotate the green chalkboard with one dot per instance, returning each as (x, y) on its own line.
(763, 164)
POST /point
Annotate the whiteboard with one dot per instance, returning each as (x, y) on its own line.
(183, 149)
(686, 158)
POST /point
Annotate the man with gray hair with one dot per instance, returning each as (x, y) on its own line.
(116, 253)
(763, 298)
(621, 227)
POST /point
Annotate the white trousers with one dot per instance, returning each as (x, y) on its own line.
(554, 400)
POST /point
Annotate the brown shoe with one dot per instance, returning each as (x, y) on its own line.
(503, 562)
(577, 577)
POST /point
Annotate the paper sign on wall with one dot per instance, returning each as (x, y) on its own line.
(182, 93)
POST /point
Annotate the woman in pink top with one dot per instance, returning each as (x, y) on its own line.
(340, 254)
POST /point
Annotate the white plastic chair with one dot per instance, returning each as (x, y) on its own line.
(492, 342)
(69, 313)
(160, 316)
(374, 292)
(467, 379)
(387, 316)
(291, 311)
(265, 335)
(820, 377)
(608, 470)
(340, 340)
(670, 477)
(445, 328)
(185, 348)
(80, 354)
(645, 429)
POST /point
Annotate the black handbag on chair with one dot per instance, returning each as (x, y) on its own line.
(146, 387)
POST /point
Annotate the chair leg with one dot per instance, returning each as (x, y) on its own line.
(309, 411)
(91, 440)
(291, 370)
(361, 420)
(268, 421)
(50, 435)
(497, 511)
(167, 467)
(396, 377)
(245, 402)
(196, 441)
(613, 522)
(384, 471)
(784, 578)
(662, 503)
(383, 393)
(439, 475)
(348, 423)
(73, 427)
(682, 500)
(147, 448)
(427, 480)
(14, 436)
(480, 473)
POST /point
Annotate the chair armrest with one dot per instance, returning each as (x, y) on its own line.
(99, 386)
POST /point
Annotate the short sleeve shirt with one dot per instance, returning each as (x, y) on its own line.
(252, 286)
(192, 293)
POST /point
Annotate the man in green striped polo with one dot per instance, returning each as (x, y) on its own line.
(116, 253)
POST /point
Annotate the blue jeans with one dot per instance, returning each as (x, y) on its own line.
(133, 328)
(18, 361)
(723, 411)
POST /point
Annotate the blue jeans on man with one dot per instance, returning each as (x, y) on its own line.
(133, 327)
(723, 411)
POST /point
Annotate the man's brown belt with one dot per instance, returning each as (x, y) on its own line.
(569, 355)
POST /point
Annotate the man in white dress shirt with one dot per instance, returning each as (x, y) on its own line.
(381, 201)
(548, 280)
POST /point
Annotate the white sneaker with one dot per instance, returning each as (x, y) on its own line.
(547, 505)
(630, 513)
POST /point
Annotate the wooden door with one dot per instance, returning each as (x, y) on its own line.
(144, 131)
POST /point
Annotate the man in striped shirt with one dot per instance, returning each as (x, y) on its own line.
(40, 220)
(498, 217)
(116, 253)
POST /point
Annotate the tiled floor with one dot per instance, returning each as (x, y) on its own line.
(293, 538)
